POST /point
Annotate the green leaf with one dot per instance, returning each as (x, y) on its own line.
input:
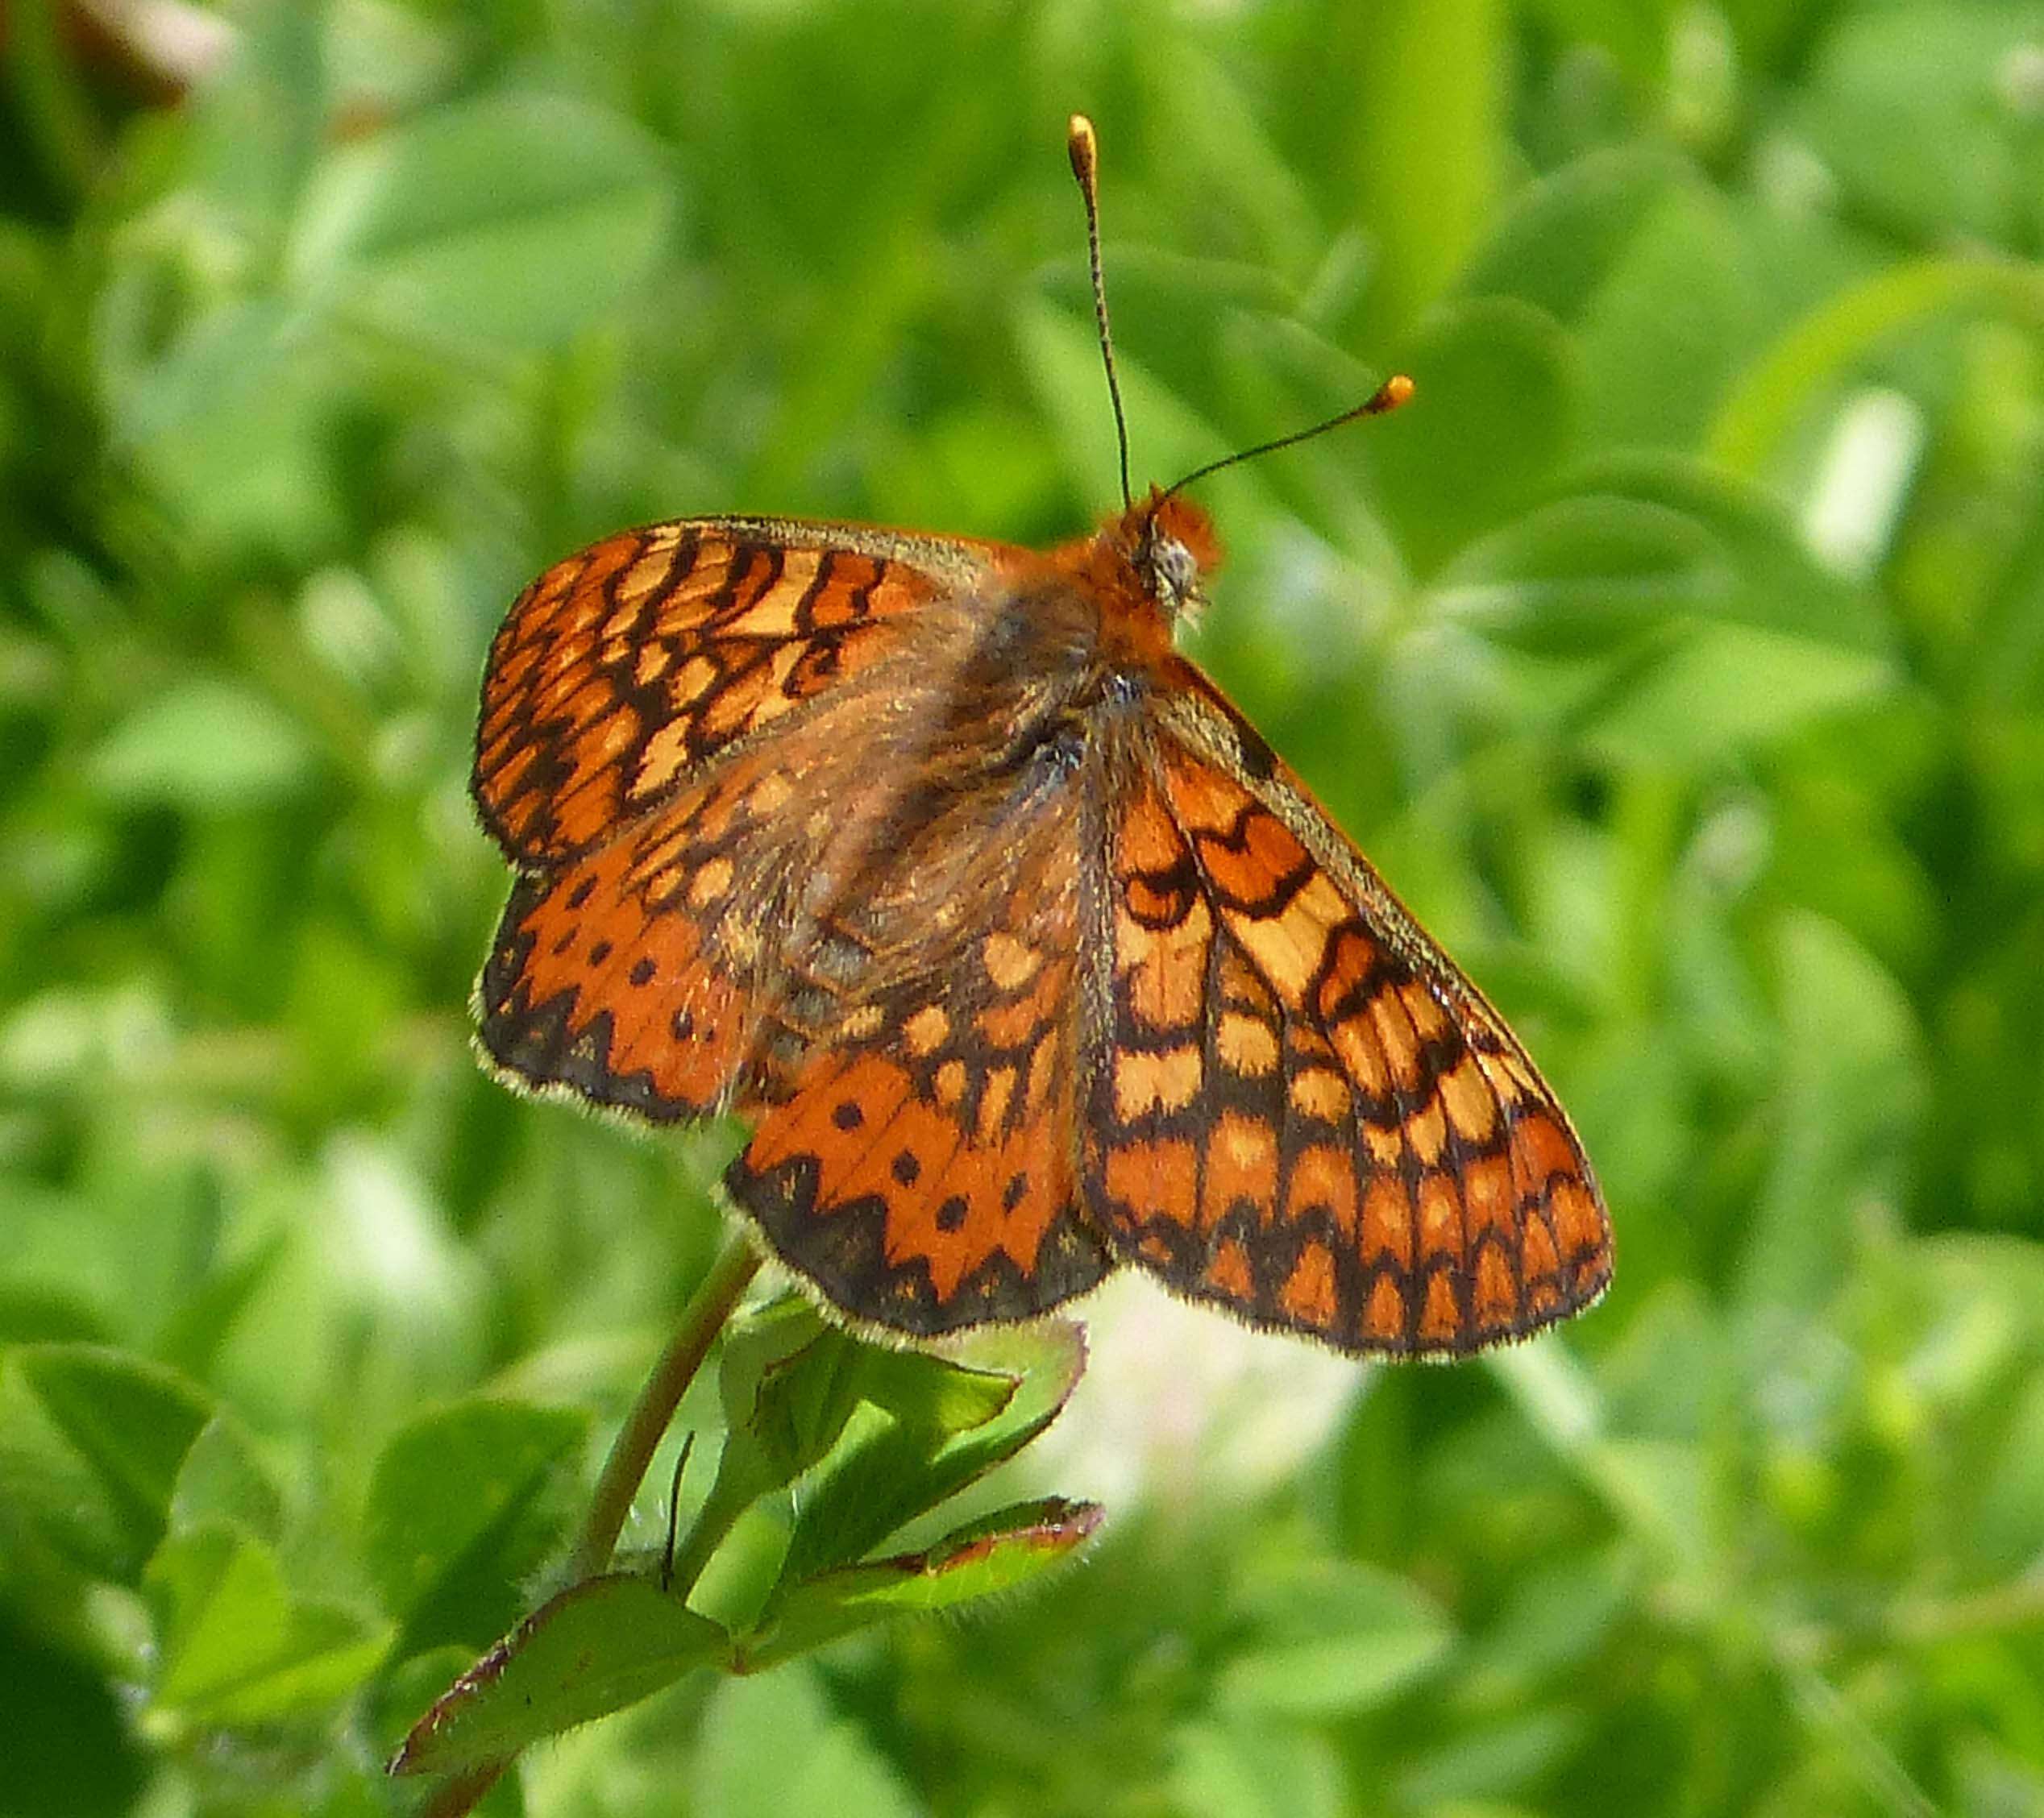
(594, 1649)
(465, 1501)
(205, 746)
(92, 1441)
(221, 1481)
(772, 1747)
(1557, 243)
(1576, 576)
(1240, 1764)
(1724, 689)
(1820, 349)
(948, 1421)
(1851, 1096)
(1334, 1637)
(514, 218)
(1493, 415)
(996, 1553)
(788, 1380)
(234, 1648)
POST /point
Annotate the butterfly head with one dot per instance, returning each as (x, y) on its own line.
(1169, 543)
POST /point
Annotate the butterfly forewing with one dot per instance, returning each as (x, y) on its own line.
(1305, 1114)
(624, 669)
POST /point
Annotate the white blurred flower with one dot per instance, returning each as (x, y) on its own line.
(1179, 1401)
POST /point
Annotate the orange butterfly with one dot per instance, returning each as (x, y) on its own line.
(1025, 954)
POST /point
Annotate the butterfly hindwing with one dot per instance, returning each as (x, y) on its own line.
(917, 1157)
(1305, 1113)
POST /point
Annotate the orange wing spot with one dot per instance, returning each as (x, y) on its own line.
(837, 1118)
(1398, 1038)
(1147, 840)
(1248, 1046)
(1538, 1256)
(1325, 1178)
(993, 1099)
(1228, 1274)
(1155, 1180)
(692, 681)
(1576, 1218)
(950, 1083)
(1384, 1318)
(1355, 1042)
(927, 1030)
(1487, 1192)
(1043, 1073)
(733, 707)
(772, 615)
(651, 568)
(1010, 963)
(1424, 1008)
(1309, 1294)
(1386, 1147)
(1387, 1221)
(1284, 952)
(1471, 1104)
(1204, 800)
(1427, 1130)
(650, 664)
(1017, 1024)
(1242, 988)
(1321, 1092)
(1350, 958)
(1241, 1165)
(1440, 1320)
(1542, 1296)
(1540, 1151)
(1167, 1082)
(709, 882)
(1268, 855)
(1440, 1216)
(1496, 1298)
(1166, 967)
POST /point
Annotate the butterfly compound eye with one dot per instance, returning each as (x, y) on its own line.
(1174, 570)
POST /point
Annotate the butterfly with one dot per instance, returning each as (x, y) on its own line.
(1023, 953)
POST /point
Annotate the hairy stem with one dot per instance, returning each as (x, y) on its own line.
(631, 1452)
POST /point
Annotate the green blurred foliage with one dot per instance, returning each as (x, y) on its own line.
(1678, 654)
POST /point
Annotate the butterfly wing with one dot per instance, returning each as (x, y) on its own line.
(798, 815)
(917, 1156)
(1305, 1112)
(626, 764)
(621, 671)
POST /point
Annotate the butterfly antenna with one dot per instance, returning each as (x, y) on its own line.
(1084, 146)
(1388, 396)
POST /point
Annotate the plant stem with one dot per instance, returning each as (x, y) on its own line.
(631, 1452)
(623, 1472)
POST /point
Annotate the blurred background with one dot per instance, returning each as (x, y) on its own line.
(1679, 655)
